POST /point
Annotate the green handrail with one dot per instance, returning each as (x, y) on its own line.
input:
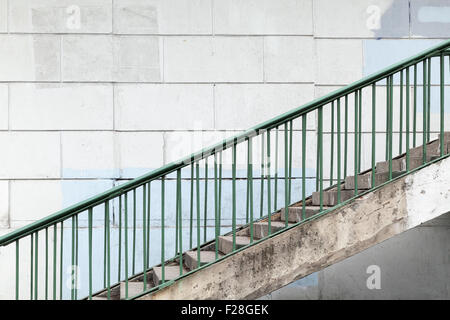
(268, 182)
(113, 192)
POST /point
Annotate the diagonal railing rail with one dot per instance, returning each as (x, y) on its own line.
(92, 246)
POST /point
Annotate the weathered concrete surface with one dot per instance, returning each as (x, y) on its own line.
(371, 219)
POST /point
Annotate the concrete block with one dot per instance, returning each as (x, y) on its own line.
(339, 61)
(87, 58)
(191, 259)
(170, 273)
(164, 107)
(29, 57)
(263, 17)
(295, 213)
(162, 17)
(289, 59)
(365, 180)
(364, 18)
(4, 204)
(134, 288)
(241, 106)
(261, 229)
(30, 155)
(88, 155)
(58, 106)
(330, 197)
(213, 59)
(44, 197)
(432, 149)
(4, 113)
(430, 18)
(139, 152)
(226, 243)
(60, 16)
(137, 59)
(3, 15)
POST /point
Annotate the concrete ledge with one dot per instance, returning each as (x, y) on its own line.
(300, 251)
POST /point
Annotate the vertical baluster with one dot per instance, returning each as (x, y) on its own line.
(134, 232)
(31, 265)
(415, 106)
(391, 107)
(205, 213)
(163, 276)
(197, 170)
(72, 293)
(36, 259)
(76, 258)
(290, 161)
(250, 177)
(441, 86)
(286, 171)
(269, 205)
(401, 115)
(148, 222)
(429, 100)
(345, 135)
(275, 195)
(46, 263)
(407, 118)
(233, 168)
(338, 120)
(216, 209)
(387, 119)
(144, 234)
(191, 216)
(320, 158)
(303, 166)
(126, 244)
(261, 198)
(424, 109)
(108, 252)
(180, 217)
(54, 259)
(119, 268)
(374, 95)
(360, 129)
(220, 191)
(332, 143)
(356, 144)
(61, 262)
(90, 251)
(17, 269)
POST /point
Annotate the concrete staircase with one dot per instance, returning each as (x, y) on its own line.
(261, 228)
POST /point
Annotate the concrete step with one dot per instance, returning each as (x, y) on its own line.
(261, 229)
(431, 147)
(400, 163)
(134, 288)
(191, 259)
(365, 180)
(99, 298)
(170, 273)
(295, 213)
(226, 243)
(330, 197)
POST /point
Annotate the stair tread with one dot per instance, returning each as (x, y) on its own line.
(205, 256)
(240, 240)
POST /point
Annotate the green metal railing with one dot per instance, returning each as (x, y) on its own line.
(152, 220)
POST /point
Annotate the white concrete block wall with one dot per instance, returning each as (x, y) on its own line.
(94, 92)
